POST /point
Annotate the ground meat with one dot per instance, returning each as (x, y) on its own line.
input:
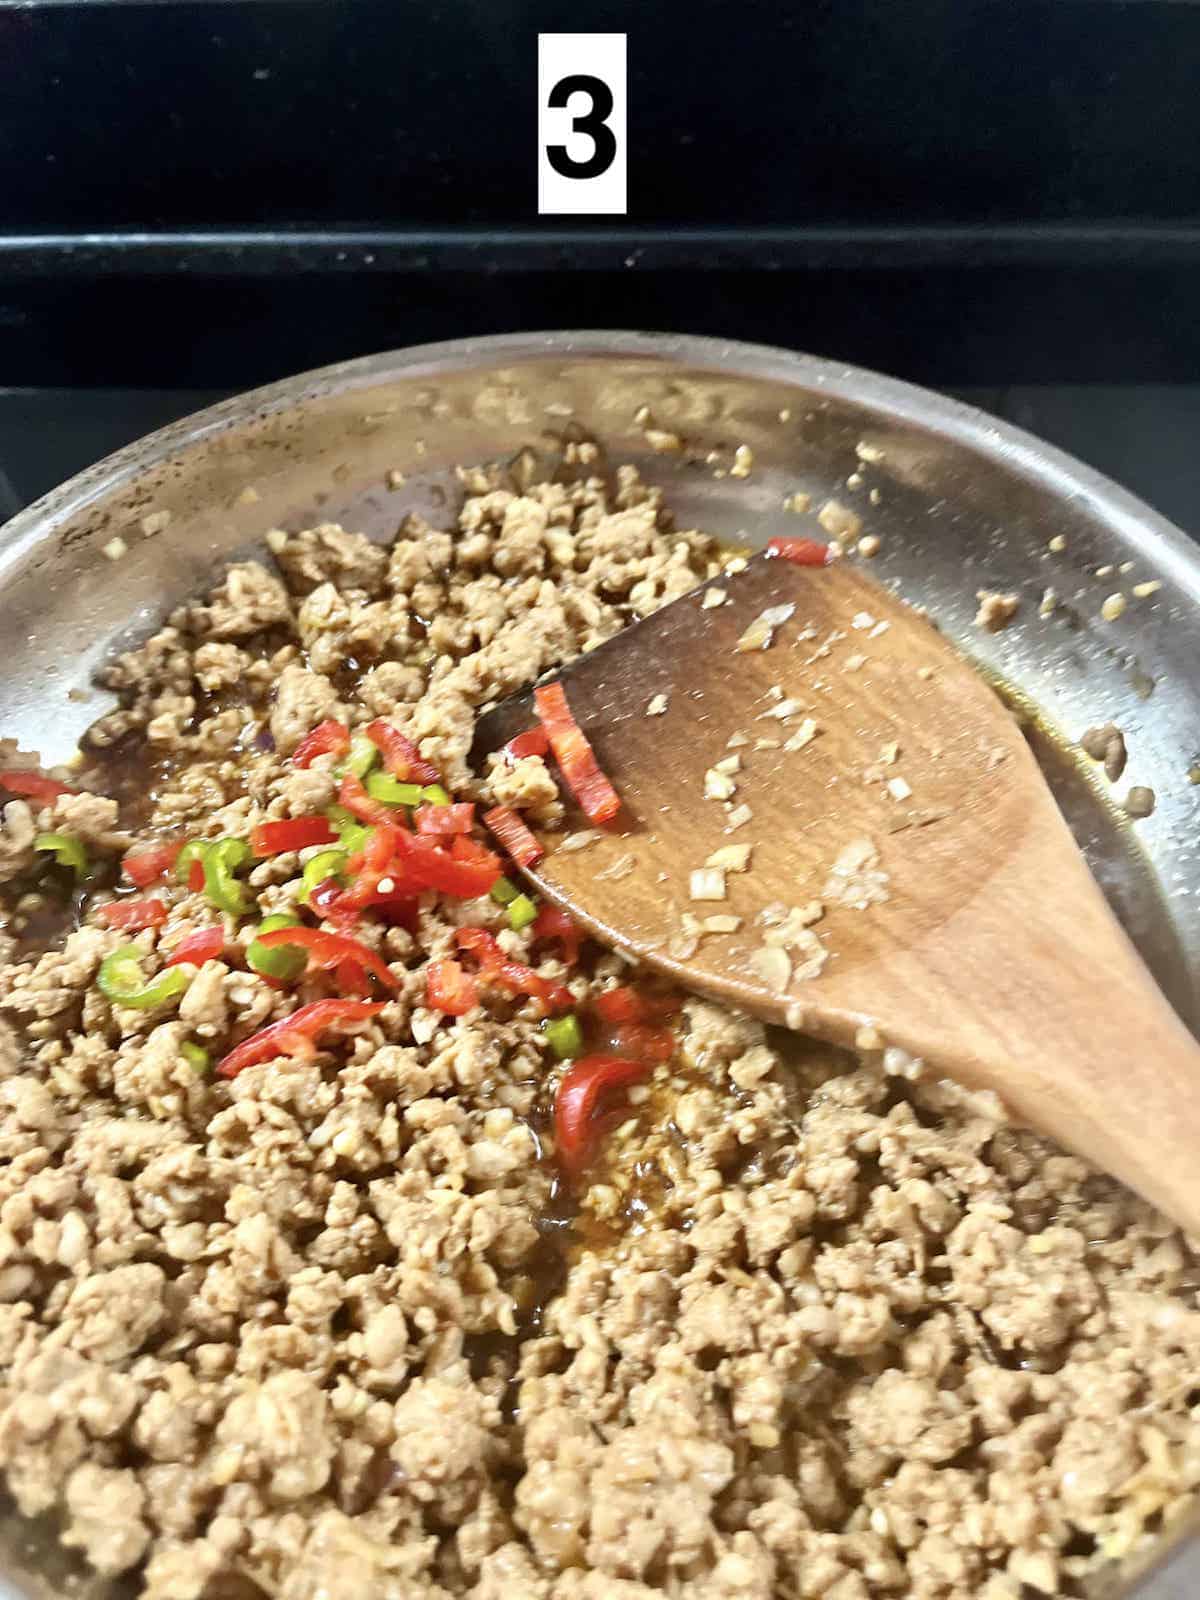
(809, 1331)
(16, 840)
(996, 610)
(302, 700)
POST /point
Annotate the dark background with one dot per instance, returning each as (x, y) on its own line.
(998, 199)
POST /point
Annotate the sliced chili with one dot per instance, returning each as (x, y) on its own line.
(144, 867)
(66, 849)
(354, 797)
(351, 979)
(522, 912)
(325, 866)
(189, 864)
(132, 916)
(363, 755)
(465, 871)
(279, 966)
(554, 923)
(327, 738)
(33, 785)
(575, 755)
(644, 1041)
(221, 860)
(589, 1102)
(120, 980)
(206, 944)
(564, 1035)
(326, 950)
(445, 819)
(512, 833)
(391, 791)
(624, 1004)
(400, 755)
(292, 833)
(533, 742)
(351, 833)
(496, 967)
(449, 989)
(800, 552)
(370, 867)
(296, 1034)
(326, 900)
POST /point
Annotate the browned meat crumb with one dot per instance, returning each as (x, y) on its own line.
(996, 610)
(1140, 801)
(310, 1330)
(1106, 744)
(839, 521)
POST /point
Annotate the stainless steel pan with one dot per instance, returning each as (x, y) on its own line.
(964, 502)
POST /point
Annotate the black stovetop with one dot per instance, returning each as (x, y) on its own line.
(999, 199)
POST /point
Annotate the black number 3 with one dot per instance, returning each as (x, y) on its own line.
(593, 122)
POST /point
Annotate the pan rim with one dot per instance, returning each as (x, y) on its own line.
(1131, 519)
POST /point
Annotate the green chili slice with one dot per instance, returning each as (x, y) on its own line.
(325, 864)
(221, 859)
(121, 980)
(521, 912)
(434, 795)
(382, 786)
(352, 834)
(192, 851)
(66, 848)
(504, 891)
(280, 961)
(565, 1037)
(195, 1055)
(364, 755)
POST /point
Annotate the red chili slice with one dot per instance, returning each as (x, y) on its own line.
(368, 867)
(132, 916)
(643, 1041)
(326, 951)
(584, 1108)
(624, 1004)
(400, 755)
(512, 833)
(466, 871)
(354, 797)
(145, 867)
(196, 877)
(33, 785)
(352, 980)
(459, 818)
(449, 989)
(326, 738)
(325, 896)
(553, 923)
(801, 552)
(496, 967)
(296, 1034)
(399, 910)
(533, 742)
(575, 755)
(206, 944)
(292, 833)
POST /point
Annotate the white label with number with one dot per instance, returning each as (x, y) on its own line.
(581, 124)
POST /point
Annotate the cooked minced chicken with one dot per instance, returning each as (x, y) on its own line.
(338, 1328)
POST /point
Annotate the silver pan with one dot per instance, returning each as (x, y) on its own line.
(963, 502)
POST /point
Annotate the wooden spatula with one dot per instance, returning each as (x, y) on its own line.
(909, 879)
